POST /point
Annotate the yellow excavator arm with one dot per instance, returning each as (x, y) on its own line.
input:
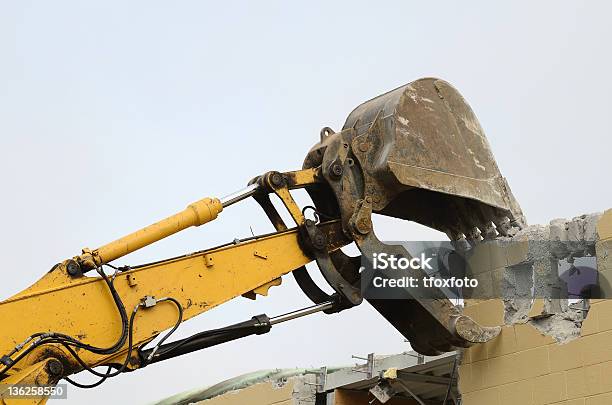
(122, 311)
(402, 154)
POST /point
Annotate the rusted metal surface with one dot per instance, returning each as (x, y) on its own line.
(421, 138)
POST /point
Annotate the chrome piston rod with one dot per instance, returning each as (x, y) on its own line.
(239, 195)
(300, 313)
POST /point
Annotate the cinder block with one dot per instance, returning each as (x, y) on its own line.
(265, 393)
(484, 290)
(479, 370)
(491, 313)
(604, 399)
(472, 308)
(596, 348)
(478, 353)
(605, 370)
(517, 393)
(503, 370)
(592, 377)
(466, 356)
(503, 344)
(497, 278)
(517, 252)
(537, 307)
(528, 337)
(578, 401)
(465, 378)
(604, 225)
(533, 363)
(497, 255)
(483, 397)
(549, 389)
(591, 324)
(575, 381)
(603, 311)
(603, 250)
(470, 302)
(605, 275)
(566, 356)
(479, 259)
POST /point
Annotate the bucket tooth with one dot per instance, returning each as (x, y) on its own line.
(472, 332)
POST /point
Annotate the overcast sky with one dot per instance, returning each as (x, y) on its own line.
(114, 114)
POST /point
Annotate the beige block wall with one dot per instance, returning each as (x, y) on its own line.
(524, 367)
(265, 393)
(268, 393)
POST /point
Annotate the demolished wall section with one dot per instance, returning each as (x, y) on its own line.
(548, 352)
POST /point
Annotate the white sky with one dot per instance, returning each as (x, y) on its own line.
(115, 114)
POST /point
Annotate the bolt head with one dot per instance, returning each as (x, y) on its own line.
(337, 170)
(55, 367)
(319, 241)
(363, 226)
(73, 268)
(276, 179)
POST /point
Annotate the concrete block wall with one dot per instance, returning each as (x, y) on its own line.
(265, 393)
(530, 366)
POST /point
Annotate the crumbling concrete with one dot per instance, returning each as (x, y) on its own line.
(552, 350)
(563, 327)
(536, 276)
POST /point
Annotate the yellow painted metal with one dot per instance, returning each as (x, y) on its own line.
(83, 307)
(304, 177)
(262, 290)
(285, 196)
(34, 375)
(195, 214)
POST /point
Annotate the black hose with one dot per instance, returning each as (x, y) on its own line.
(54, 337)
(68, 342)
(79, 385)
(176, 325)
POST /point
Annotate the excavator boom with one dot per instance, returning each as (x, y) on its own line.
(416, 153)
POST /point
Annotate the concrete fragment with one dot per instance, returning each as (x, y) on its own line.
(536, 275)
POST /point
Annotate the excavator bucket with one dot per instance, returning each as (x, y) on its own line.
(417, 153)
(430, 161)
